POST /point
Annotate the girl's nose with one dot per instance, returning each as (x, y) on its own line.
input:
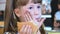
(36, 12)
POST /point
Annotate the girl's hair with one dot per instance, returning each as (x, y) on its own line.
(9, 21)
(24, 2)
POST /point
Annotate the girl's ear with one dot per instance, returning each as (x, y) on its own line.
(17, 12)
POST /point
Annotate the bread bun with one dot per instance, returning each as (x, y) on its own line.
(33, 26)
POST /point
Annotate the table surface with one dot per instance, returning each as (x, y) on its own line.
(1, 24)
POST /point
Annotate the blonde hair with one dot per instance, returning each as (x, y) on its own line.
(24, 2)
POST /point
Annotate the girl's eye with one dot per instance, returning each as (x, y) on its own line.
(38, 6)
(30, 7)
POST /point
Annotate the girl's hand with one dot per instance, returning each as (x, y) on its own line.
(41, 22)
(28, 16)
(26, 29)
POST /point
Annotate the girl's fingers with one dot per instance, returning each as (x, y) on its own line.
(31, 31)
(22, 29)
(25, 30)
(28, 30)
(41, 21)
(28, 16)
(25, 20)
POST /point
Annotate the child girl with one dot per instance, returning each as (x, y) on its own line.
(29, 10)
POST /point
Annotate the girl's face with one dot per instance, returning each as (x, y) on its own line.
(33, 9)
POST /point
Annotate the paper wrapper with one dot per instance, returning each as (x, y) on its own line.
(33, 26)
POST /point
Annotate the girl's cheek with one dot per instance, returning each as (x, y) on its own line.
(27, 11)
(24, 11)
